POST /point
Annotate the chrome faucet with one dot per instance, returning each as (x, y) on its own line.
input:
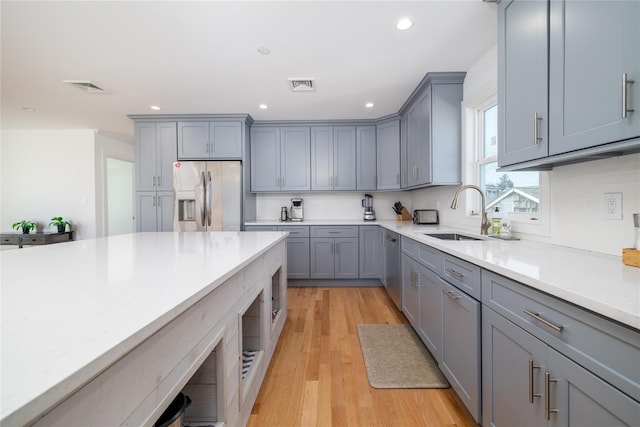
(484, 226)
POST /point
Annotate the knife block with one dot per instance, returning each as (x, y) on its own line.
(404, 215)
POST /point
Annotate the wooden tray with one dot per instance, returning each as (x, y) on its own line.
(631, 257)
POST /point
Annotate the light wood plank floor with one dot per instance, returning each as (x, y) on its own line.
(317, 375)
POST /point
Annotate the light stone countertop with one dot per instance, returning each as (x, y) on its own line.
(598, 282)
(72, 309)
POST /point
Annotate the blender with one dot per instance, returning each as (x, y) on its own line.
(367, 204)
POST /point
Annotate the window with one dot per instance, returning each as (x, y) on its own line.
(523, 195)
(517, 193)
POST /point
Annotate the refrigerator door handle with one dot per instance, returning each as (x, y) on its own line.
(208, 198)
(202, 197)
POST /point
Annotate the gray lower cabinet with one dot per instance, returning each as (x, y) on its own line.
(388, 155)
(280, 159)
(430, 321)
(208, 140)
(371, 252)
(410, 290)
(297, 248)
(154, 211)
(334, 258)
(545, 362)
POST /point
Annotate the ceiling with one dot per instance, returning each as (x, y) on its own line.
(202, 57)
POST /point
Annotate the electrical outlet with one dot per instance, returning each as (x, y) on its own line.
(612, 205)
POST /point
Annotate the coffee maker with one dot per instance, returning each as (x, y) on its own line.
(367, 204)
(295, 211)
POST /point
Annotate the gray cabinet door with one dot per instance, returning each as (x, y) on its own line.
(366, 167)
(410, 290)
(322, 255)
(592, 44)
(155, 146)
(510, 395)
(581, 399)
(344, 158)
(193, 140)
(322, 158)
(166, 154)
(225, 140)
(298, 258)
(413, 145)
(424, 172)
(295, 159)
(154, 211)
(346, 262)
(522, 81)
(265, 159)
(370, 252)
(461, 346)
(388, 155)
(430, 319)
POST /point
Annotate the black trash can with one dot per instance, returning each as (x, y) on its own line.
(172, 416)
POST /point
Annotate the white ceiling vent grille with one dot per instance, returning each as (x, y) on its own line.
(302, 84)
(86, 86)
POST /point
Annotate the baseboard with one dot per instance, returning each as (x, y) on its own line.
(333, 282)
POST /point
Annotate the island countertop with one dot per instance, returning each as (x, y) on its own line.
(71, 310)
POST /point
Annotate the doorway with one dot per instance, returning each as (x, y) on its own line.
(120, 206)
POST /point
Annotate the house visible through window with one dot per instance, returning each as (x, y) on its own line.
(517, 193)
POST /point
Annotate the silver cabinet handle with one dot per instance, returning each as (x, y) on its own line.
(531, 393)
(153, 181)
(536, 137)
(153, 202)
(158, 181)
(537, 317)
(397, 178)
(337, 248)
(455, 273)
(625, 82)
(547, 398)
(452, 296)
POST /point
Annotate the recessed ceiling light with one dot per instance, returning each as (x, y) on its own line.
(404, 24)
(155, 107)
(263, 106)
(29, 109)
(369, 105)
(264, 50)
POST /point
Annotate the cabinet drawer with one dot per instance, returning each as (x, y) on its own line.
(321, 231)
(295, 230)
(33, 240)
(430, 258)
(260, 228)
(462, 274)
(604, 347)
(410, 247)
(10, 239)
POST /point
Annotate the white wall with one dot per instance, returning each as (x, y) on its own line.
(46, 173)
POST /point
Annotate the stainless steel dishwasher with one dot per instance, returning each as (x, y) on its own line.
(392, 267)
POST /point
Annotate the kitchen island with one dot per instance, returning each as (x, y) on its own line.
(108, 331)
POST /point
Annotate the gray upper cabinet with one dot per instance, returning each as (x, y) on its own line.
(280, 159)
(523, 118)
(155, 146)
(366, 158)
(210, 140)
(593, 44)
(566, 73)
(432, 120)
(388, 155)
(333, 158)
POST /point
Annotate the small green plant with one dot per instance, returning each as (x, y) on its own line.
(60, 223)
(25, 225)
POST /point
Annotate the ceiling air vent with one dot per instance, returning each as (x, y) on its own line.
(302, 84)
(86, 86)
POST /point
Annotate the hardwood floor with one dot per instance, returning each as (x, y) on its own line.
(317, 375)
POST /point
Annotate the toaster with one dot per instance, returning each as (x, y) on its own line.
(425, 216)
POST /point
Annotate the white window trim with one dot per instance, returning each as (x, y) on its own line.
(470, 172)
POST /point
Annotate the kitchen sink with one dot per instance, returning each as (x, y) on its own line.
(452, 236)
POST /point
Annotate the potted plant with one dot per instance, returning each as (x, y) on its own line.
(25, 225)
(60, 223)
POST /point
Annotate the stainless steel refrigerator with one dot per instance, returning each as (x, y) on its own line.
(208, 196)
